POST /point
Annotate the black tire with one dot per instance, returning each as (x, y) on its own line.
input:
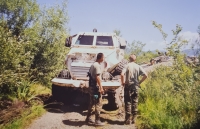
(62, 94)
(115, 99)
(69, 95)
(112, 105)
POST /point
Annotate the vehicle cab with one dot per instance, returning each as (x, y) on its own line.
(86, 45)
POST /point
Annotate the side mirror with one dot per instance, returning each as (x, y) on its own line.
(68, 42)
(123, 44)
(122, 47)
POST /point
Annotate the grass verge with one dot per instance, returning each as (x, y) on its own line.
(24, 115)
(26, 118)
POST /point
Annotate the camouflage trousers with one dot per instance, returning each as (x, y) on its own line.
(131, 102)
(96, 102)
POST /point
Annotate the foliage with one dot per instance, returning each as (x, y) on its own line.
(136, 47)
(170, 96)
(24, 92)
(14, 61)
(27, 91)
(49, 51)
(32, 43)
(145, 57)
(18, 14)
(32, 50)
(176, 43)
(196, 44)
(118, 33)
(172, 104)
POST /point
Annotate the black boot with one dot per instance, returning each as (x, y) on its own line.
(98, 121)
(134, 119)
(128, 120)
(89, 120)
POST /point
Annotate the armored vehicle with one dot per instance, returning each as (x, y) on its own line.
(84, 47)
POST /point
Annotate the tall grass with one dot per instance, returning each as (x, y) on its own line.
(169, 99)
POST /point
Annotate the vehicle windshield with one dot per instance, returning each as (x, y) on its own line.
(84, 40)
(104, 41)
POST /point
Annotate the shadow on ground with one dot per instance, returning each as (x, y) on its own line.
(75, 123)
(54, 106)
(113, 122)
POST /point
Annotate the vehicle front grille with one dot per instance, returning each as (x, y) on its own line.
(80, 72)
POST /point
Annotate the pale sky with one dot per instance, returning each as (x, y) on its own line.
(133, 18)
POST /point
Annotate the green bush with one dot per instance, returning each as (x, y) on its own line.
(48, 50)
(32, 43)
(15, 61)
(170, 96)
(169, 100)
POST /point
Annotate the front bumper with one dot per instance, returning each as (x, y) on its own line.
(84, 84)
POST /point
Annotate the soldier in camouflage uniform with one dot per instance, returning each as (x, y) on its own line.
(95, 91)
(130, 80)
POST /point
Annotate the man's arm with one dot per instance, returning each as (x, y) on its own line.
(144, 75)
(143, 78)
(99, 83)
(123, 75)
(122, 79)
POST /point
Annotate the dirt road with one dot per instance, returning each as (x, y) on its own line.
(60, 116)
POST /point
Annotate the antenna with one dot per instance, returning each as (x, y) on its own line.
(94, 30)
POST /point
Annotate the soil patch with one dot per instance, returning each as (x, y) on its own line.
(10, 111)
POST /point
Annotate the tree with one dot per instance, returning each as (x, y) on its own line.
(18, 14)
(135, 48)
(196, 45)
(117, 32)
(14, 61)
(171, 85)
(32, 42)
(176, 43)
(49, 52)
(15, 17)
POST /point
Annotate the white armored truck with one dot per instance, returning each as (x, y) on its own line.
(84, 48)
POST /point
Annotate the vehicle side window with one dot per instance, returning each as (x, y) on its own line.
(84, 40)
(104, 41)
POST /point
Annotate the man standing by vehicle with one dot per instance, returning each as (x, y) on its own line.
(131, 84)
(95, 91)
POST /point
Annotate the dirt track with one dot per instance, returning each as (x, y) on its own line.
(60, 116)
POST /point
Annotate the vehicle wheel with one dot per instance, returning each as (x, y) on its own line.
(112, 105)
(69, 95)
(62, 94)
(115, 98)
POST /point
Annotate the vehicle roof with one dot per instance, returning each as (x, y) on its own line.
(97, 33)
